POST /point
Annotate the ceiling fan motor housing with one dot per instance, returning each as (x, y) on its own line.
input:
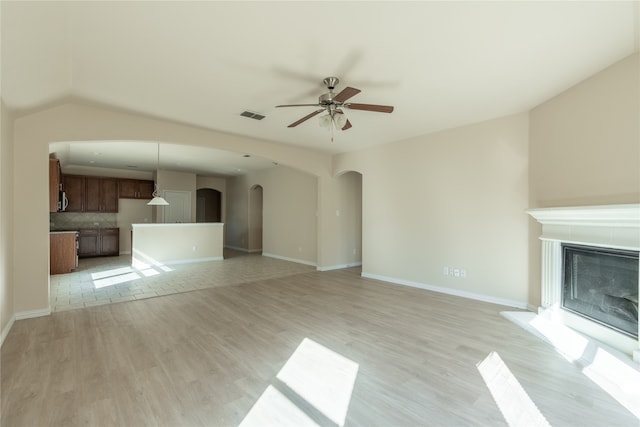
(331, 82)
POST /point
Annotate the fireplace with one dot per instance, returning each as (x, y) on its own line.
(589, 278)
(601, 284)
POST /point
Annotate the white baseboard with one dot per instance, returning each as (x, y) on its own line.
(7, 329)
(235, 248)
(142, 264)
(33, 313)
(532, 308)
(449, 291)
(340, 266)
(299, 261)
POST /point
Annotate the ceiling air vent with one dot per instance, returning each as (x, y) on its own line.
(252, 115)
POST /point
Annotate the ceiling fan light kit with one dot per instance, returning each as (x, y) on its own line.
(333, 105)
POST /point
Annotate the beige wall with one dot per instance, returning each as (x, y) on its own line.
(289, 213)
(131, 211)
(176, 181)
(585, 143)
(585, 149)
(455, 198)
(6, 223)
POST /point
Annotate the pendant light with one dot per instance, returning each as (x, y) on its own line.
(157, 200)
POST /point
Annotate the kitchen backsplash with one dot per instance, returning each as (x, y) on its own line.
(76, 220)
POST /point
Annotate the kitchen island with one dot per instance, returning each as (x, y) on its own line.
(162, 244)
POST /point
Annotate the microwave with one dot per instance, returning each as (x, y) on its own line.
(63, 202)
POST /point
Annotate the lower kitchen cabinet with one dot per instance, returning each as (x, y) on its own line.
(63, 252)
(98, 242)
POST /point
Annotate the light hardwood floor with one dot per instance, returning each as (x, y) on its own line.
(206, 357)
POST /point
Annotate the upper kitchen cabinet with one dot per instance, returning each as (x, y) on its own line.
(54, 185)
(73, 186)
(135, 189)
(101, 194)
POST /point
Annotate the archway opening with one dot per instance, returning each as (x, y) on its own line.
(208, 205)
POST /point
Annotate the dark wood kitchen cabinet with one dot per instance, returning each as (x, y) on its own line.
(73, 186)
(98, 242)
(54, 184)
(101, 194)
(135, 189)
(63, 252)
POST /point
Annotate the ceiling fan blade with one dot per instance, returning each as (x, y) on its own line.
(370, 107)
(347, 125)
(298, 105)
(346, 93)
(307, 117)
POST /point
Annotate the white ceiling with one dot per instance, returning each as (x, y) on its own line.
(441, 64)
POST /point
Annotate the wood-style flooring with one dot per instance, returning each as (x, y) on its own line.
(317, 348)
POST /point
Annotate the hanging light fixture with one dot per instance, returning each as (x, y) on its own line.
(333, 119)
(157, 199)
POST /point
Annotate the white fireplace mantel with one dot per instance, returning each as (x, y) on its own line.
(607, 226)
(615, 226)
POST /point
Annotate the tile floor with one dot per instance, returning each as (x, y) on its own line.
(106, 280)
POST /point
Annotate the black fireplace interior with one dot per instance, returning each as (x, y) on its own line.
(602, 285)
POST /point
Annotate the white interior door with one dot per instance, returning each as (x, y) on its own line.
(179, 208)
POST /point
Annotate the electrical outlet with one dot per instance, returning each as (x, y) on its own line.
(463, 273)
(456, 272)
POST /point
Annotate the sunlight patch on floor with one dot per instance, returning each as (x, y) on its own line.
(620, 379)
(316, 374)
(274, 409)
(513, 401)
(115, 280)
(116, 276)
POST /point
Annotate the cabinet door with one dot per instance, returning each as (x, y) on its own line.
(54, 184)
(128, 188)
(88, 242)
(73, 186)
(93, 198)
(109, 194)
(62, 250)
(101, 194)
(109, 241)
(146, 190)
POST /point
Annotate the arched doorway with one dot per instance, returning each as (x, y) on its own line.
(208, 205)
(255, 219)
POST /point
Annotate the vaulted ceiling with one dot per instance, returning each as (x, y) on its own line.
(441, 64)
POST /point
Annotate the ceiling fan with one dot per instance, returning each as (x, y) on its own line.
(334, 104)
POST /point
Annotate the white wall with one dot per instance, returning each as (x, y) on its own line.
(455, 198)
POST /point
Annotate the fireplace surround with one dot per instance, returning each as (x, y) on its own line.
(602, 244)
